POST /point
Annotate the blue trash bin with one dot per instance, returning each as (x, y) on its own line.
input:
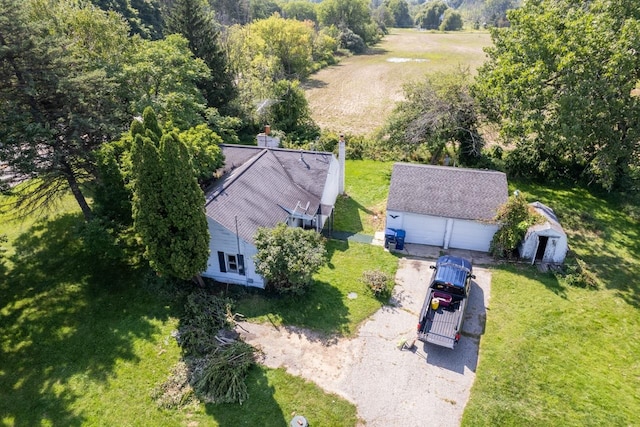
(400, 235)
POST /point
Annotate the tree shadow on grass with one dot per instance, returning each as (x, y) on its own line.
(321, 308)
(312, 83)
(260, 409)
(334, 246)
(66, 318)
(376, 51)
(601, 230)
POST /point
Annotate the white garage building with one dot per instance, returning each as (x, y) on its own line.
(445, 206)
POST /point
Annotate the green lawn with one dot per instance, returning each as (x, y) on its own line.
(84, 342)
(326, 307)
(554, 354)
(363, 208)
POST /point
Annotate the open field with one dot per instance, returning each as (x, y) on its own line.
(358, 94)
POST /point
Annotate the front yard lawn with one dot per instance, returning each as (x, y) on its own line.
(84, 342)
(326, 306)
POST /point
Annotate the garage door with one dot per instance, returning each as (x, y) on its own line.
(471, 235)
(424, 229)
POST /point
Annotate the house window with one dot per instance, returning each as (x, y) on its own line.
(231, 263)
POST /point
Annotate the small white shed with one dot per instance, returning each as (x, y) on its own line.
(546, 242)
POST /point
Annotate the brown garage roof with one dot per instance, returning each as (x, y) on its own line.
(451, 192)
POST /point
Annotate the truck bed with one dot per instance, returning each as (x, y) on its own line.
(440, 326)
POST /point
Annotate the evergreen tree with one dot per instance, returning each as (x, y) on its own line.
(194, 20)
(186, 253)
(168, 204)
(57, 97)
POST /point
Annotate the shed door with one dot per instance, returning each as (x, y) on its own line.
(424, 229)
(472, 235)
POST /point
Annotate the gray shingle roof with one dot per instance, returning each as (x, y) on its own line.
(552, 220)
(446, 191)
(262, 183)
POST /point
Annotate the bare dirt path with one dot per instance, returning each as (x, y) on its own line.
(390, 387)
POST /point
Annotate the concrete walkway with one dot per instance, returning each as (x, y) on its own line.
(414, 250)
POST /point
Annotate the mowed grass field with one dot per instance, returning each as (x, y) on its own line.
(357, 95)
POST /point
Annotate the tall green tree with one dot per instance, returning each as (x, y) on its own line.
(451, 21)
(57, 95)
(203, 146)
(263, 9)
(195, 21)
(302, 10)
(495, 12)
(437, 111)
(291, 114)
(267, 51)
(163, 74)
(230, 12)
(430, 15)
(400, 11)
(143, 16)
(561, 83)
(348, 14)
(168, 204)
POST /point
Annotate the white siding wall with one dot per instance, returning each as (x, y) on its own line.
(471, 235)
(442, 232)
(223, 240)
(556, 249)
(332, 184)
(394, 220)
(331, 188)
(420, 229)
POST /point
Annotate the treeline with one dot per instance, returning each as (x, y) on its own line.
(75, 73)
(146, 18)
(559, 86)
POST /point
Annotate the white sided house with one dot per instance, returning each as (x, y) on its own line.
(546, 242)
(262, 187)
(445, 206)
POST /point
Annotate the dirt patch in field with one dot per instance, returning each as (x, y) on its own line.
(389, 386)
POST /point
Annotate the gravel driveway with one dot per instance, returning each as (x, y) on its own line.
(390, 387)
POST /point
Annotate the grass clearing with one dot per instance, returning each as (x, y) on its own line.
(363, 209)
(326, 307)
(553, 354)
(358, 94)
(85, 343)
